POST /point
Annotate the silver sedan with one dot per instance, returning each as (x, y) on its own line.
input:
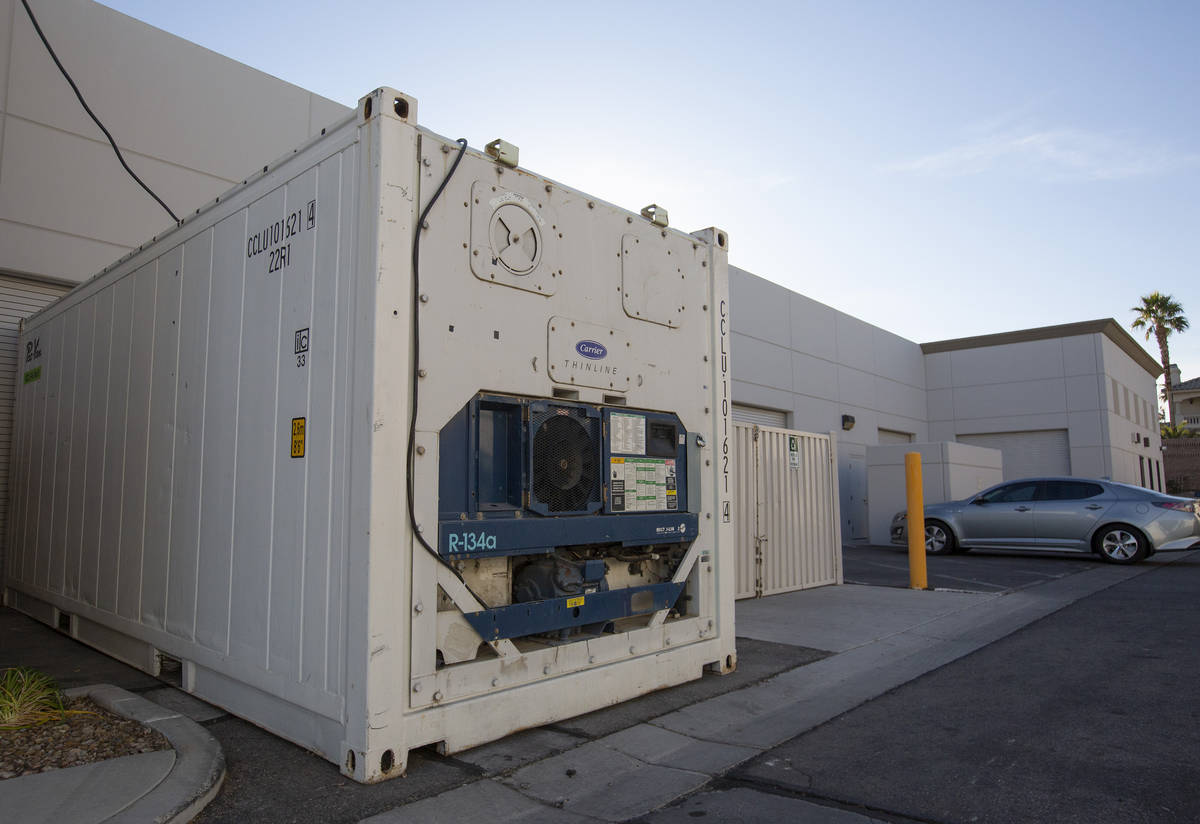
(1121, 523)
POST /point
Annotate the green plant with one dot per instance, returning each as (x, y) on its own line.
(1160, 315)
(28, 698)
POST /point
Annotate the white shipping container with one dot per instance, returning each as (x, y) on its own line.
(212, 449)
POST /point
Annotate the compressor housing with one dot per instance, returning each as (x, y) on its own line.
(377, 487)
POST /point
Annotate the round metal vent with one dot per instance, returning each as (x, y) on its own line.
(516, 239)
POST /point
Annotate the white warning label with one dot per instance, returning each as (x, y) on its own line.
(642, 485)
(628, 433)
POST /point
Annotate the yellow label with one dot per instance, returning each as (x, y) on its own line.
(297, 437)
(575, 602)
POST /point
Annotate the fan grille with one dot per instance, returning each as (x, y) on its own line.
(566, 460)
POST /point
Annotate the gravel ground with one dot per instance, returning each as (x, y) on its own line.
(77, 740)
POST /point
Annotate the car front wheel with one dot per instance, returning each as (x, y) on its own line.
(1121, 544)
(939, 540)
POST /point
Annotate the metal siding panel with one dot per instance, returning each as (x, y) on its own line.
(97, 432)
(116, 439)
(218, 478)
(137, 439)
(337, 562)
(20, 543)
(24, 531)
(743, 509)
(326, 346)
(50, 473)
(160, 460)
(189, 432)
(257, 437)
(15, 470)
(76, 489)
(291, 474)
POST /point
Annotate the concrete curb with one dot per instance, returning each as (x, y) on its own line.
(198, 771)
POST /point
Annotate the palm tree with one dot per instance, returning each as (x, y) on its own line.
(1160, 315)
(1175, 430)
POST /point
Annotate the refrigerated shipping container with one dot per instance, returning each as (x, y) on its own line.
(395, 444)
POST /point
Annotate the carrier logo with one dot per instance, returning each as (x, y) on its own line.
(591, 350)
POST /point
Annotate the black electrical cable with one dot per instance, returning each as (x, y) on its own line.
(416, 360)
(92, 114)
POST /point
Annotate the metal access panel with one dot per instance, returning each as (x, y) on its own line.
(214, 439)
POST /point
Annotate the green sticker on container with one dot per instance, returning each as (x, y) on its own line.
(33, 374)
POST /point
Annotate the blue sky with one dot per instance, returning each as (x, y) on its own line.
(940, 169)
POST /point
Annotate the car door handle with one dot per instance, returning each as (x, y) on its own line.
(1022, 509)
(1093, 506)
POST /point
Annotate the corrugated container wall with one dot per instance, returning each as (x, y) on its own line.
(212, 437)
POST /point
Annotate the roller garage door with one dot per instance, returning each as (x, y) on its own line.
(1028, 454)
(759, 415)
(19, 299)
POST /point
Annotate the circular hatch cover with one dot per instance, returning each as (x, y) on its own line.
(516, 239)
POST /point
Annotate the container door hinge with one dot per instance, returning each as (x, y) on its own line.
(759, 540)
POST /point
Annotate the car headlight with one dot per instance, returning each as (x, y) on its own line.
(900, 517)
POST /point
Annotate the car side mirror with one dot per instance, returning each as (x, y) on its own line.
(979, 502)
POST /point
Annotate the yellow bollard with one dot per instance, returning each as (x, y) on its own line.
(917, 578)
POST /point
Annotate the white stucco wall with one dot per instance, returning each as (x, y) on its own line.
(1056, 383)
(816, 363)
(795, 354)
(1139, 417)
(190, 122)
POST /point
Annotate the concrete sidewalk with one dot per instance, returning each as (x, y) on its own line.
(634, 762)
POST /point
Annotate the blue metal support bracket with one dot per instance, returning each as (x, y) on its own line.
(553, 614)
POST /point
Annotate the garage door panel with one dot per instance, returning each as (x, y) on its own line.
(759, 415)
(1028, 454)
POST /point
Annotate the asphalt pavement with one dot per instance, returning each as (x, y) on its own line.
(976, 571)
(1086, 715)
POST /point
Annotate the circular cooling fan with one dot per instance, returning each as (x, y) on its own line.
(564, 464)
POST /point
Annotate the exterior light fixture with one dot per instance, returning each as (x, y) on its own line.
(847, 422)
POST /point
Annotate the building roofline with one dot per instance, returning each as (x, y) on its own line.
(1104, 326)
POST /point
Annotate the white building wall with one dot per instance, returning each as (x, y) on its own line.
(1062, 383)
(817, 364)
(189, 121)
(1136, 415)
